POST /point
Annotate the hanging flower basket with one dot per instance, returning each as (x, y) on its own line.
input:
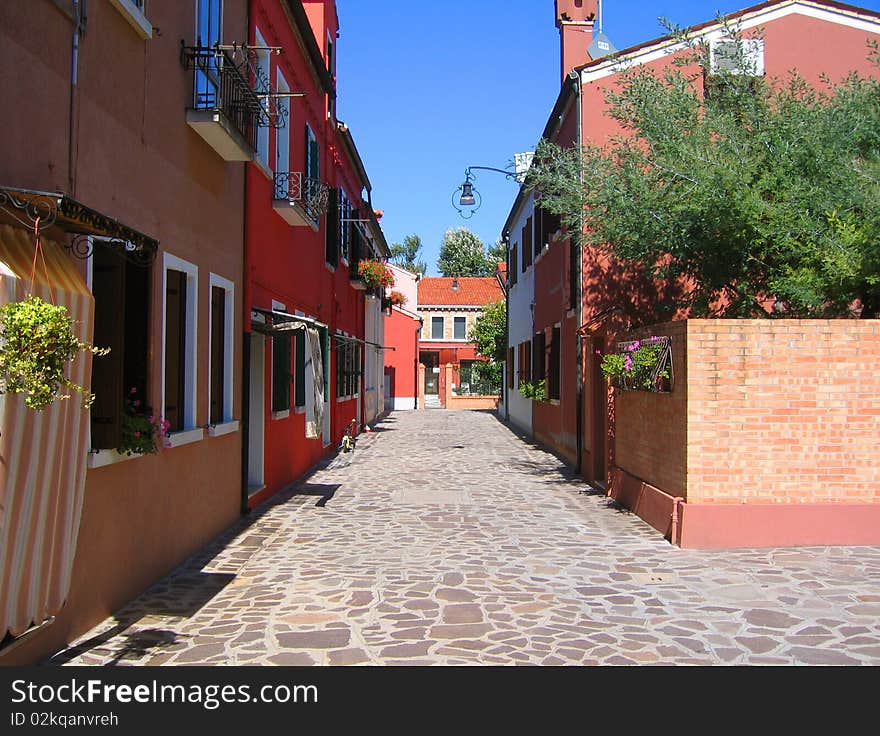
(641, 365)
(397, 299)
(375, 274)
(36, 344)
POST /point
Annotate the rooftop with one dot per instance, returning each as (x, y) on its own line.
(472, 291)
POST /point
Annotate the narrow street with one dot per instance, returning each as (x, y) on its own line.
(445, 538)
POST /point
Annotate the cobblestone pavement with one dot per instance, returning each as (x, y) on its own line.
(446, 539)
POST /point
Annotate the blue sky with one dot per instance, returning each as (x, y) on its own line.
(430, 88)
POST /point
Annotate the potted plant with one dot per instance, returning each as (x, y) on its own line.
(537, 391)
(36, 344)
(375, 274)
(142, 431)
(639, 365)
(397, 299)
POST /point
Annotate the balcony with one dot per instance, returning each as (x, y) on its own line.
(226, 109)
(299, 200)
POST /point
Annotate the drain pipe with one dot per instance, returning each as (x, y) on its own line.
(574, 78)
(79, 21)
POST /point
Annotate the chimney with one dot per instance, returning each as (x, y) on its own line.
(575, 19)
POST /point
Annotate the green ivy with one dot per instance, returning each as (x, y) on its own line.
(36, 344)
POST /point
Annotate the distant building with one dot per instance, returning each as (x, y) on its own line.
(448, 308)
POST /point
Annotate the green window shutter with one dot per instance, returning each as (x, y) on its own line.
(281, 373)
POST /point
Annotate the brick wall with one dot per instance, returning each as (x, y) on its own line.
(762, 412)
(651, 429)
(783, 411)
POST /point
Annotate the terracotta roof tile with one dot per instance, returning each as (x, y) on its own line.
(472, 290)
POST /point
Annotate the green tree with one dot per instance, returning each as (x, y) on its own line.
(748, 192)
(489, 334)
(406, 254)
(463, 254)
(497, 254)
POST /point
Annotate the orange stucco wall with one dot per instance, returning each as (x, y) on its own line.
(134, 159)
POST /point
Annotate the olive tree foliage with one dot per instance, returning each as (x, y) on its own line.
(462, 253)
(489, 334)
(755, 192)
(406, 255)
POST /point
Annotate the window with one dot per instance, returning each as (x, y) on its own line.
(281, 375)
(348, 368)
(527, 245)
(282, 136)
(437, 328)
(331, 68)
(262, 74)
(537, 242)
(525, 361)
(539, 369)
(221, 334)
(209, 14)
(345, 226)
(180, 344)
(299, 368)
(460, 328)
(549, 224)
(553, 368)
(122, 323)
(313, 157)
(331, 234)
(574, 273)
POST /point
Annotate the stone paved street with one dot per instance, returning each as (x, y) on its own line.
(447, 539)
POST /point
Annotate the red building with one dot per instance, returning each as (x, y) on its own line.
(448, 308)
(581, 299)
(309, 222)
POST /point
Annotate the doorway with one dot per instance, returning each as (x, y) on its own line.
(256, 413)
(431, 361)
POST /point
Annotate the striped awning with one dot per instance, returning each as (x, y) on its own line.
(42, 453)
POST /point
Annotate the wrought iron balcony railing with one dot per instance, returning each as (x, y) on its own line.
(220, 85)
(310, 194)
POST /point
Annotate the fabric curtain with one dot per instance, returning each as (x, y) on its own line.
(314, 380)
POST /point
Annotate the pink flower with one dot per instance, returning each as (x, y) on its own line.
(133, 390)
(137, 434)
(136, 402)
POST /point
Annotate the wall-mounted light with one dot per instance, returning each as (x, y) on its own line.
(468, 196)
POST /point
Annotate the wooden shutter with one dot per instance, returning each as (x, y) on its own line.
(218, 354)
(553, 374)
(539, 231)
(510, 368)
(175, 347)
(538, 356)
(108, 287)
(331, 231)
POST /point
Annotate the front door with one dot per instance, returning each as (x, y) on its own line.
(432, 373)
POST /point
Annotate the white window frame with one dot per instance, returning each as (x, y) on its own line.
(265, 65)
(134, 11)
(454, 320)
(282, 135)
(191, 431)
(229, 424)
(284, 413)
